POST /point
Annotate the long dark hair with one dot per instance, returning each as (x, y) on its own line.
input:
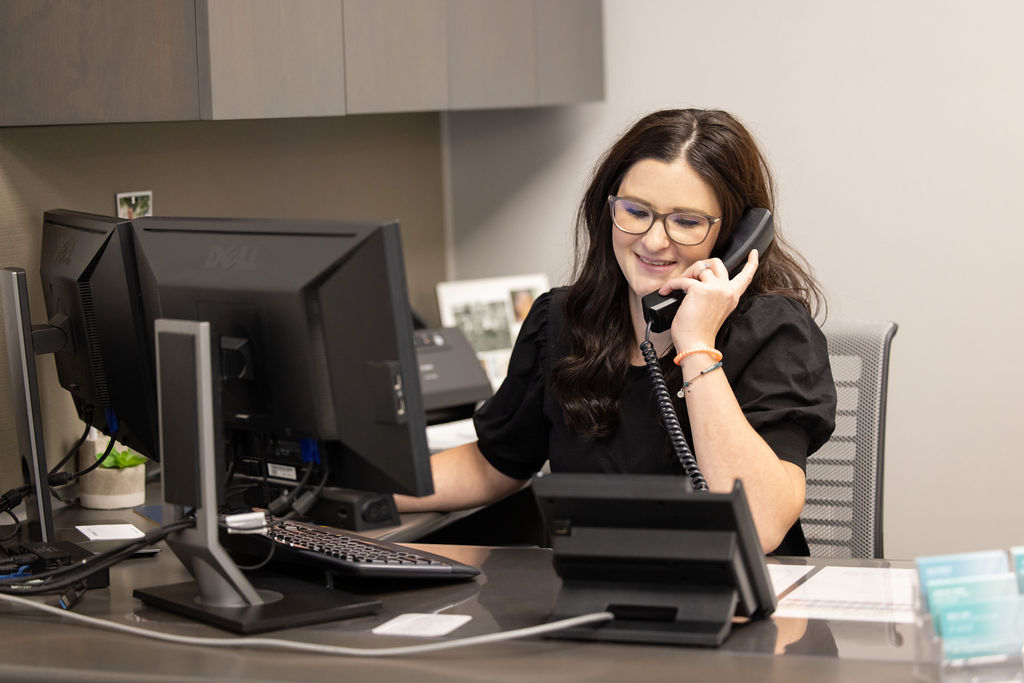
(590, 378)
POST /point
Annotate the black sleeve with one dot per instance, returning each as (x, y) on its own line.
(512, 430)
(776, 359)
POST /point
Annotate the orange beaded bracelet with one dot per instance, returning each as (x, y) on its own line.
(714, 353)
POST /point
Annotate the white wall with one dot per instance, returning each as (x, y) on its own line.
(896, 131)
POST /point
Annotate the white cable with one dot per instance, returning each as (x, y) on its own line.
(315, 647)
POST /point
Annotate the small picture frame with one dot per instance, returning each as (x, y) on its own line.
(134, 204)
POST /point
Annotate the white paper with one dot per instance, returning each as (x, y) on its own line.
(785, 575)
(447, 435)
(109, 532)
(853, 594)
(422, 625)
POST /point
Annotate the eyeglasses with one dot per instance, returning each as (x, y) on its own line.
(687, 228)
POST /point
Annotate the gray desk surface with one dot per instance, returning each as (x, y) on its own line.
(416, 525)
(517, 588)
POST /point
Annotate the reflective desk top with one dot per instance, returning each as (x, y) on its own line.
(516, 588)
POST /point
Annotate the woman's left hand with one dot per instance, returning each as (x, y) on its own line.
(710, 297)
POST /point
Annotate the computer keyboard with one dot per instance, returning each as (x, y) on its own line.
(345, 552)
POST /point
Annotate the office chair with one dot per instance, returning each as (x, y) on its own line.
(842, 515)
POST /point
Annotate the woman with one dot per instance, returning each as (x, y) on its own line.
(658, 212)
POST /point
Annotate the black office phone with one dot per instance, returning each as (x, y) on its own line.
(754, 230)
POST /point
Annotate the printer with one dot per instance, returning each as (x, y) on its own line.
(452, 380)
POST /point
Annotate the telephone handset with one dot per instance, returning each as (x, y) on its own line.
(754, 231)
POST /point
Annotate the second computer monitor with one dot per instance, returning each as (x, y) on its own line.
(91, 290)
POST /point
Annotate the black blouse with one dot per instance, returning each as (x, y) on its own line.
(774, 356)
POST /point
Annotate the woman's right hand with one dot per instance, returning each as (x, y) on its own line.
(711, 295)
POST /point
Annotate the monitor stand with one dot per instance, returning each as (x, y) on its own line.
(24, 343)
(189, 444)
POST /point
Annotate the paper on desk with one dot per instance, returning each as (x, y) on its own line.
(423, 625)
(785, 575)
(853, 594)
(450, 434)
(109, 532)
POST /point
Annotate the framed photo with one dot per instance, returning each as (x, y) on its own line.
(490, 311)
(135, 204)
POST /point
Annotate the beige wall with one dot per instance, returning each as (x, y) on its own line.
(347, 167)
(895, 132)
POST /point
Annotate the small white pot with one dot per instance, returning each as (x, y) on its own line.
(110, 489)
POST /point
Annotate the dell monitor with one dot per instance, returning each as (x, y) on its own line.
(315, 343)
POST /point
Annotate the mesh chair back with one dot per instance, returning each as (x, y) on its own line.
(842, 516)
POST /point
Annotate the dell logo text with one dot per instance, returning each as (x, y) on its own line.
(231, 258)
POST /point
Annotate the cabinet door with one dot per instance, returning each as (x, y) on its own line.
(570, 51)
(395, 56)
(491, 54)
(270, 58)
(68, 61)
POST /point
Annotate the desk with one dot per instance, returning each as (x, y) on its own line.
(416, 525)
(517, 588)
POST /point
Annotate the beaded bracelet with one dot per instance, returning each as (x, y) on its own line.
(688, 383)
(713, 352)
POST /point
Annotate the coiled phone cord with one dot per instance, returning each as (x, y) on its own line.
(668, 415)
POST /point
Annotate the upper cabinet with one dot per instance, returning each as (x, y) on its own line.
(405, 55)
(570, 51)
(270, 58)
(395, 55)
(492, 54)
(68, 61)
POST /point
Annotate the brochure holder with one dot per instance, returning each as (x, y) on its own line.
(970, 618)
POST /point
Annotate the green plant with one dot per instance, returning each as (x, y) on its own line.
(120, 458)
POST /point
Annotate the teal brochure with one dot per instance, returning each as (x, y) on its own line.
(942, 594)
(962, 564)
(989, 628)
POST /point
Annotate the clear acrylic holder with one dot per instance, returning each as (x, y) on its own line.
(932, 664)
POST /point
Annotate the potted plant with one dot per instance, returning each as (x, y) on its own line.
(119, 481)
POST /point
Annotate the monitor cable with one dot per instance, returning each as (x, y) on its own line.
(299, 508)
(13, 497)
(17, 527)
(99, 461)
(315, 648)
(256, 523)
(305, 502)
(286, 501)
(88, 410)
(668, 414)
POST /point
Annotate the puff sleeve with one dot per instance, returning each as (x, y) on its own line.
(776, 359)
